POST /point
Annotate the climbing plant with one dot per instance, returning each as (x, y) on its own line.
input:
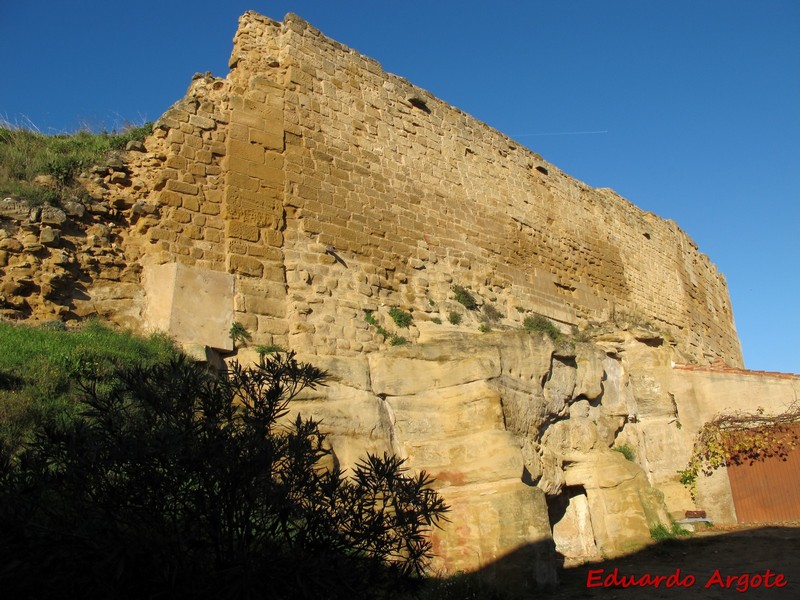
(738, 438)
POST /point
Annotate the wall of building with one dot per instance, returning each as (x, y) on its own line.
(348, 189)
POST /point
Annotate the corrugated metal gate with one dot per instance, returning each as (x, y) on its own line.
(767, 491)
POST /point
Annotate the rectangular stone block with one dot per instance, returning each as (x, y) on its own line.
(243, 231)
(245, 265)
(202, 122)
(246, 150)
(242, 181)
(182, 187)
(193, 305)
(170, 198)
(242, 117)
(190, 203)
(265, 306)
(271, 138)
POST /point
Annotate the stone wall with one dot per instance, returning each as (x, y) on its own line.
(330, 187)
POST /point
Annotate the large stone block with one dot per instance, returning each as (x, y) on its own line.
(397, 375)
(193, 305)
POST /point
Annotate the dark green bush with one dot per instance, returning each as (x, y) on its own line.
(454, 318)
(491, 314)
(464, 297)
(176, 483)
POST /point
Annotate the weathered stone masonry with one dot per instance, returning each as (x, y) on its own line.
(307, 187)
(308, 144)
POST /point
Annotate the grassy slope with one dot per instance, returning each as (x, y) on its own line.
(39, 368)
(24, 154)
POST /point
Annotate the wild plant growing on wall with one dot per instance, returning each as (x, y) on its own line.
(741, 438)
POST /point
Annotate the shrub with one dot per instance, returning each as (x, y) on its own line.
(369, 317)
(238, 333)
(269, 349)
(397, 340)
(484, 328)
(400, 317)
(660, 533)
(464, 297)
(627, 451)
(491, 314)
(454, 318)
(177, 483)
(538, 323)
(437, 320)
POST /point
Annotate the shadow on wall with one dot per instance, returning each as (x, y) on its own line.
(705, 565)
(709, 565)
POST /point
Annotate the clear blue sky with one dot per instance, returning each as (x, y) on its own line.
(699, 101)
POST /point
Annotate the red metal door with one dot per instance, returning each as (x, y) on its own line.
(768, 490)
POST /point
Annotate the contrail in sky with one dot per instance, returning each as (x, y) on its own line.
(560, 133)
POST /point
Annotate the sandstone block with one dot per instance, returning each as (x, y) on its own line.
(244, 265)
(191, 304)
(182, 187)
(51, 215)
(265, 306)
(395, 375)
(49, 236)
(245, 151)
(202, 122)
(243, 231)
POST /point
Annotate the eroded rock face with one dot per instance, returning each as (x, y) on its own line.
(517, 432)
(435, 406)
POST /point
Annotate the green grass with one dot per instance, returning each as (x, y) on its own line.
(538, 323)
(660, 533)
(24, 154)
(627, 451)
(269, 349)
(40, 369)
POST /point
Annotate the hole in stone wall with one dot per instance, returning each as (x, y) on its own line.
(653, 342)
(647, 235)
(419, 103)
(565, 286)
(542, 170)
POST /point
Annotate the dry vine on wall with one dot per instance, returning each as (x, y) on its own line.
(741, 437)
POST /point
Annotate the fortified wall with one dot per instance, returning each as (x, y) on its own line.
(309, 193)
(326, 187)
